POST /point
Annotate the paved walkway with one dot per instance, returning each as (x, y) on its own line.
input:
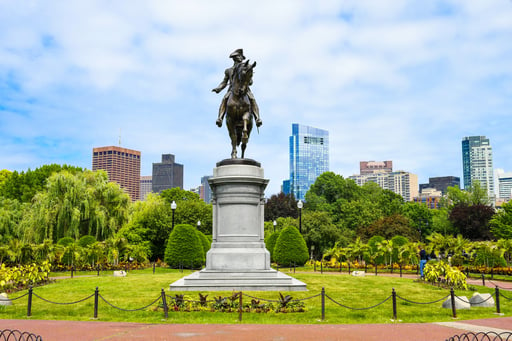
(94, 330)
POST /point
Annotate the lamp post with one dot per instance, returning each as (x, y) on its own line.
(299, 206)
(275, 224)
(198, 224)
(173, 208)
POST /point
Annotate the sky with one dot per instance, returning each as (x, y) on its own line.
(389, 79)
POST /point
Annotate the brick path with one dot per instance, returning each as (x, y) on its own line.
(94, 330)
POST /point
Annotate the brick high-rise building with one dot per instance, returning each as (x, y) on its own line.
(122, 166)
(373, 167)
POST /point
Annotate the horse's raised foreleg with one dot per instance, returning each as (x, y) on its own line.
(245, 132)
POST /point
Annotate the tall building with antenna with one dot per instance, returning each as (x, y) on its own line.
(122, 166)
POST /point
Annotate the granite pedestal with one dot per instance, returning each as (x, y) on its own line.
(238, 259)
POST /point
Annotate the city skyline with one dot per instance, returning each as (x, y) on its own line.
(390, 80)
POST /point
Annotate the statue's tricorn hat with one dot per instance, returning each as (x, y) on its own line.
(237, 52)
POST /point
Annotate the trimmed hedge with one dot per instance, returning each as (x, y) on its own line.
(184, 248)
(290, 248)
(205, 242)
(270, 243)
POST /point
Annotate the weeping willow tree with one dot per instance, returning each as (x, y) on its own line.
(72, 205)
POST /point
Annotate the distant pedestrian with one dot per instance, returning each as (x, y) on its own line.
(423, 260)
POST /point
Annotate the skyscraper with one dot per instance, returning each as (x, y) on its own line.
(309, 157)
(122, 166)
(167, 174)
(505, 186)
(477, 163)
(146, 183)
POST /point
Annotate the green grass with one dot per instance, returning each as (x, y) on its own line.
(141, 287)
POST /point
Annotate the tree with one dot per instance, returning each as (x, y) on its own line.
(150, 225)
(420, 217)
(189, 208)
(472, 221)
(290, 248)
(388, 227)
(329, 188)
(23, 186)
(501, 222)
(184, 248)
(281, 205)
(320, 231)
(72, 205)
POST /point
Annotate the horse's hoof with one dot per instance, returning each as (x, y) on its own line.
(258, 122)
(218, 122)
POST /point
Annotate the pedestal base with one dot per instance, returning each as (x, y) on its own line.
(238, 259)
(264, 280)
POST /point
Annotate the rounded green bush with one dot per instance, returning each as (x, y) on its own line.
(290, 248)
(184, 248)
(270, 243)
(204, 242)
(86, 240)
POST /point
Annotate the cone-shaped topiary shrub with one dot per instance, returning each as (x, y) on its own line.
(205, 242)
(290, 248)
(270, 243)
(184, 248)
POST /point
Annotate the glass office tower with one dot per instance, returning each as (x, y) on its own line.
(309, 157)
(477, 163)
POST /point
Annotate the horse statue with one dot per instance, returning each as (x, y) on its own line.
(239, 114)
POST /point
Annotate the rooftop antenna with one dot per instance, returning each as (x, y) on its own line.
(119, 137)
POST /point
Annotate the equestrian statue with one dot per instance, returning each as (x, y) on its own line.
(238, 104)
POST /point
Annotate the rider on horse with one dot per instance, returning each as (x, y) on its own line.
(238, 57)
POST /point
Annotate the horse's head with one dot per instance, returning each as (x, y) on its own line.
(242, 77)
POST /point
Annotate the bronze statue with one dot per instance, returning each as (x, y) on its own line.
(238, 104)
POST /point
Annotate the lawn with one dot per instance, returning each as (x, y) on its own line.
(141, 287)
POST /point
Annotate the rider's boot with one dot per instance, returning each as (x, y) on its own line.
(256, 113)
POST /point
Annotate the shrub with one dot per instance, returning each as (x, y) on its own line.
(86, 241)
(184, 248)
(205, 242)
(270, 243)
(290, 247)
(398, 241)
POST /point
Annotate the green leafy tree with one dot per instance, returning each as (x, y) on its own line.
(184, 248)
(189, 208)
(290, 248)
(150, 225)
(281, 205)
(420, 217)
(319, 231)
(501, 222)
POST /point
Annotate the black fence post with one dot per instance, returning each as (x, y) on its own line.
(72, 268)
(375, 269)
(240, 307)
(340, 266)
(393, 294)
(497, 291)
(164, 303)
(29, 305)
(321, 267)
(492, 273)
(314, 266)
(454, 310)
(365, 267)
(467, 271)
(400, 269)
(323, 303)
(483, 279)
(98, 269)
(96, 296)
(154, 267)
(349, 268)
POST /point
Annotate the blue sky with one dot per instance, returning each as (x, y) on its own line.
(390, 80)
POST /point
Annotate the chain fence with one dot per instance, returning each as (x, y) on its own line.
(235, 302)
(17, 335)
